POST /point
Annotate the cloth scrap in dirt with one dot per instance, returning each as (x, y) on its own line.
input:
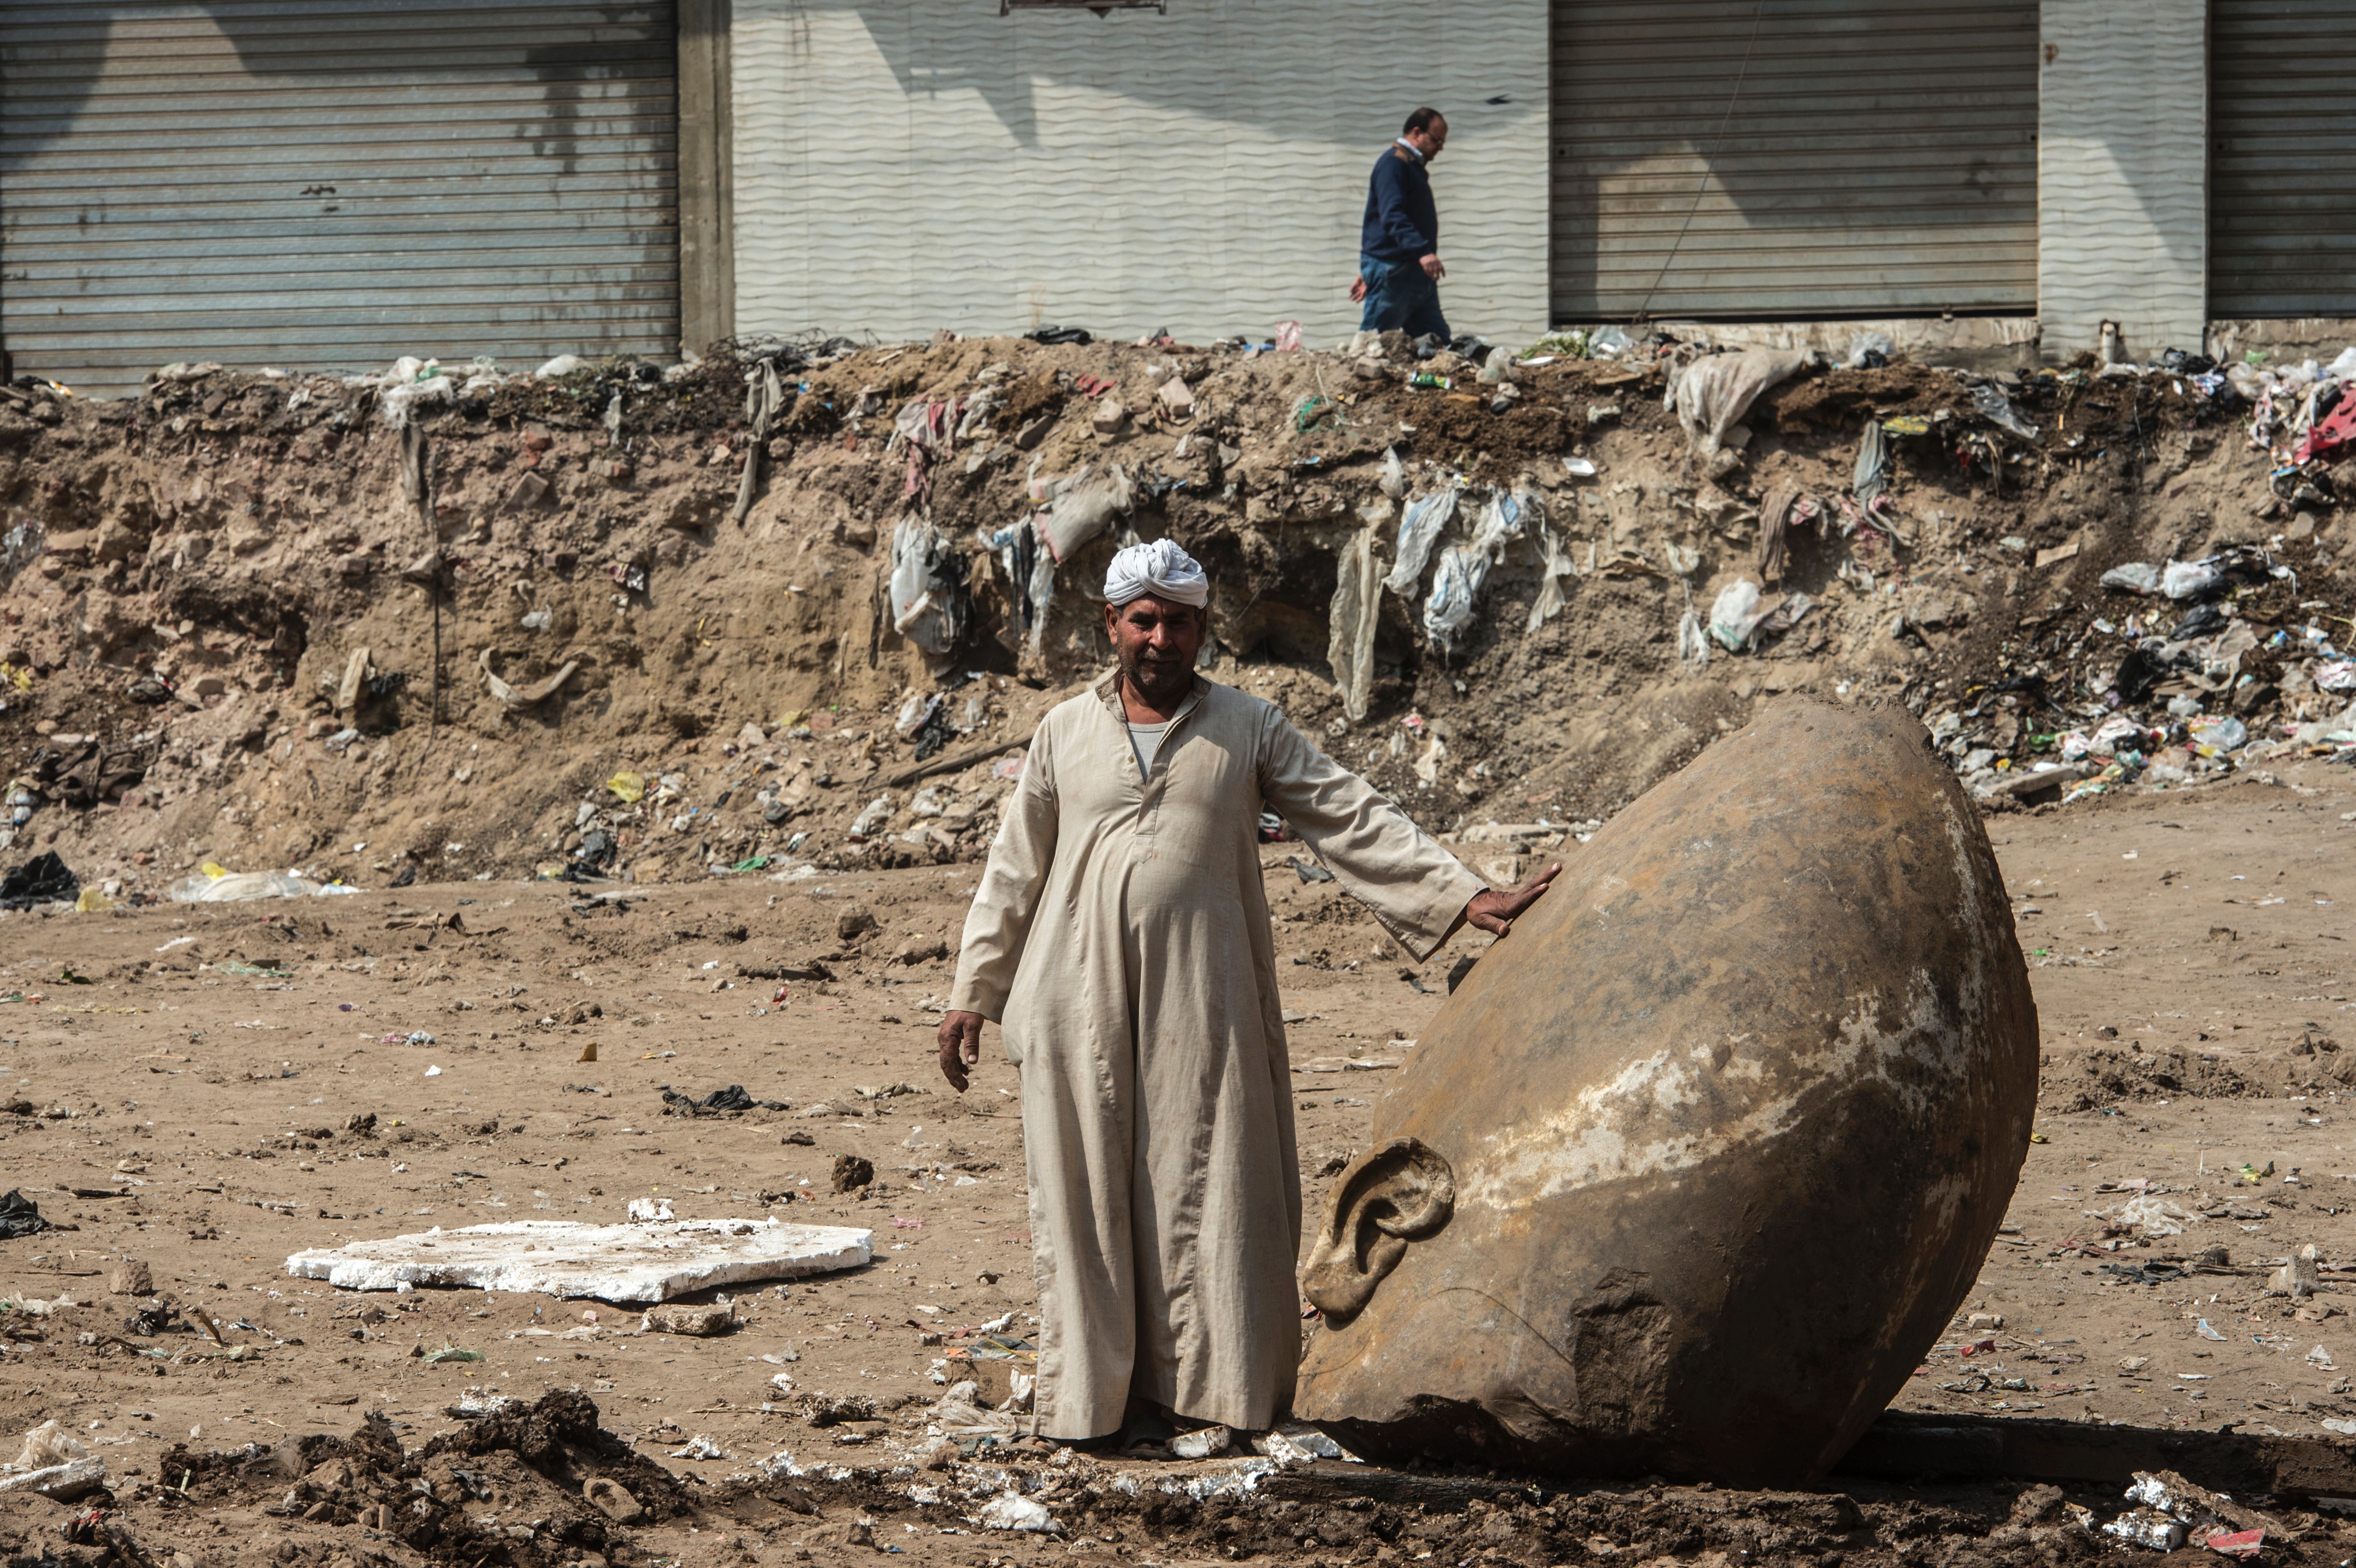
(44, 879)
(644, 1262)
(1001, 1348)
(733, 1098)
(2145, 1273)
(18, 1216)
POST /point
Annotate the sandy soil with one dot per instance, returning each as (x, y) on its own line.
(184, 1081)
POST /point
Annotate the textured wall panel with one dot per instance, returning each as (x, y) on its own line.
(1768, 160)
(328, 184)
(2121, 195)
(2282, 188)
(908, 164)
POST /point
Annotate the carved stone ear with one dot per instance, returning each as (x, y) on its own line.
(1388, 1197)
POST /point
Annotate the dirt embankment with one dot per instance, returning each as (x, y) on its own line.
(230, 637)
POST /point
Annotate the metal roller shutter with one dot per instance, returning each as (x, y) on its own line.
(1875, 159)
(329, 184)
(2282, 167)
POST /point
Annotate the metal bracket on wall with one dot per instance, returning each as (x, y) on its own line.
(1101, 8)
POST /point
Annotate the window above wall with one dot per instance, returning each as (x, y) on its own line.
(1101, 8)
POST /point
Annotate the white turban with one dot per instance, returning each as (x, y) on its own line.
(1161, 568)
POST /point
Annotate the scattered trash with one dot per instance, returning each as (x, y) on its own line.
(613, 1262)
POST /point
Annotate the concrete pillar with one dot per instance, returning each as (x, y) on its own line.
(707, 177)
(2122, 175)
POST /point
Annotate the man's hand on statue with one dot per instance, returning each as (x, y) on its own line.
(961, 1045)
(1493, 912)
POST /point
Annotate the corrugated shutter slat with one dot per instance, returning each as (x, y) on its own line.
(2282, 167)
(1875, 160)
(330, 184)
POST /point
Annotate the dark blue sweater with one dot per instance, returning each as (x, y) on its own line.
(1402, 221)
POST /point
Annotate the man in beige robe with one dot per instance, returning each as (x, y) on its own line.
(1120, 939)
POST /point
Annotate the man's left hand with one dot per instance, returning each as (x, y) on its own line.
(1358, 290)
(1495, 912)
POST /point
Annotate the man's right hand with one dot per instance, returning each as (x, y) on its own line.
(1434, 268)
(961, 1047)
(1358, 290)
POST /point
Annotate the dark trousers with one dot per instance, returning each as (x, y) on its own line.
(1400, 298)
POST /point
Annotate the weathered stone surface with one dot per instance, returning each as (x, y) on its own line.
(1695, 1164)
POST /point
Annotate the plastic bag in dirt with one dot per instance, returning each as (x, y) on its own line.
(1418, 530)
(2218, 734)
(240, 886)
(1736, 615)
(1693, 643)
(1015, 1511)
(1082, 507)
(916, 712)
(1870, 350)
(2134, 577)
(928, 601)
(1454, 587)
(1989, 401)
(2192, 578)
(1608, 343)
(46, 1445)
(1394, 475)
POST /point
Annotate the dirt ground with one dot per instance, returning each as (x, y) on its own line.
(186, 1082)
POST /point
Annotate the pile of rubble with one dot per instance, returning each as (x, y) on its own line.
(798, 606)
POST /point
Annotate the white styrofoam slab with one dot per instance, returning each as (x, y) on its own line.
(642, 1262)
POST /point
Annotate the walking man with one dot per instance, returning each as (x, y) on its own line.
(1120, 939)
(1399, 266)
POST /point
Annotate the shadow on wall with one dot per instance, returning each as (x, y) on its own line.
(49, 71)
(1266, 65)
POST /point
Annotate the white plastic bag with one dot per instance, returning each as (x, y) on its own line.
(239, 887)
(926, 606)
(2190, 579)
(1736, 615)
(1426, 516)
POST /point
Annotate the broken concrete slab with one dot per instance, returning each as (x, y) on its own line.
(609, 1262)
(697, 1322)
(61, 1483)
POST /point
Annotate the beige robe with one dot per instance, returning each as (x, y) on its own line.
(1120, 937)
